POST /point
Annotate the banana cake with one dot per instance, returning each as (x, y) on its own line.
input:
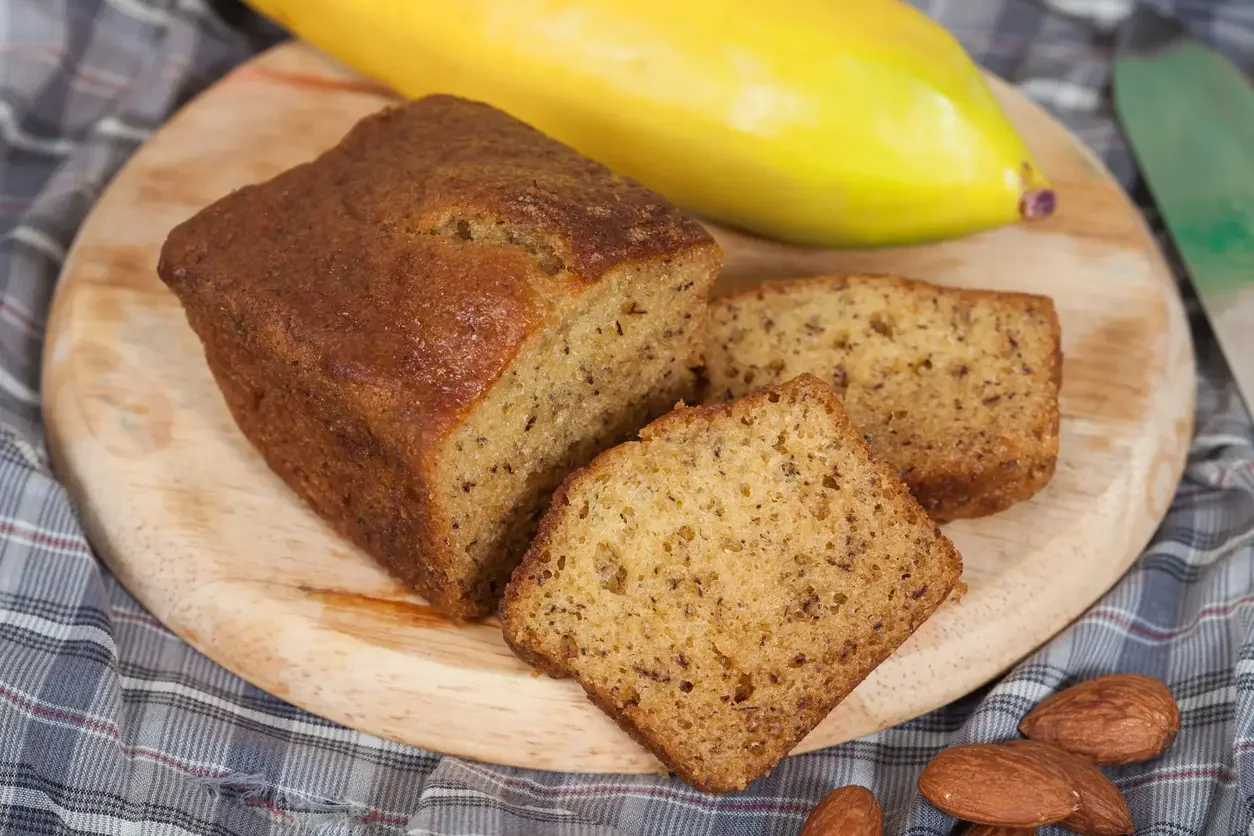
(721, 584)
(425, 328)
(957, 389)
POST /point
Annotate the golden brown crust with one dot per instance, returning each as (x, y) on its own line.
(963, 495)
(520, 636)
(778, 287)
(967, 488)
(353, 258)
(346, 288)
(344, 474)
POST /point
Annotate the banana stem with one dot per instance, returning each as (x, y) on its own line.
(1037, 204)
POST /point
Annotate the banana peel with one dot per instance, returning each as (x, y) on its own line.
(836, 124)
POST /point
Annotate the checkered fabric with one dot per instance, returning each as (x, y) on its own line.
(110, 724)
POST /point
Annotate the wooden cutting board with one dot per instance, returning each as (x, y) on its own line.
(189, 518)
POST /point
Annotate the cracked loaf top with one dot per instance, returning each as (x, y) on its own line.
(415, 257)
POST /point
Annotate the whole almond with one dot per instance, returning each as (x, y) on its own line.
(998, 830)
(1103, 812)
(848, 811)
(1124, 718)
(995, 784)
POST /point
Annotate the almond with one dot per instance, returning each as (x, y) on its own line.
(1103, 812)
(848, 811)
(996, 784)
(1124, 718)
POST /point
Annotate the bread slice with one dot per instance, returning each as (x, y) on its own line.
(720, 585)
(426, 328)
(957, 389)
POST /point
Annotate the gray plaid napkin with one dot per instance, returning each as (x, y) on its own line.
(110, 725)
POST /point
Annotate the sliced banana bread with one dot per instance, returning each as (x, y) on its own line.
(426, 328)
(720, 585)
(957, 389)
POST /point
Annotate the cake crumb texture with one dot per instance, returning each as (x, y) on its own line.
(721, 584)
(957, 389)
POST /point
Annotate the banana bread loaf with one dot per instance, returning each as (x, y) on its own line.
(720, 585)
(424, 329)
(957, 389)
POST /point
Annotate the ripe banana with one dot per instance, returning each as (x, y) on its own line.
(820, 122)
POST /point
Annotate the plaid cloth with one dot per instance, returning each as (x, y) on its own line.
(110, 724)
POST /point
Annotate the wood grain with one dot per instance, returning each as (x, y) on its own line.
(192, 522)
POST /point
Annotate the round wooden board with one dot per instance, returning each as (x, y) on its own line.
(190, 519)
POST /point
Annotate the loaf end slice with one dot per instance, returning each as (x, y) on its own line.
(957, 389)
(721, 584)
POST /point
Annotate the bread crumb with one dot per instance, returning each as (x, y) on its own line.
(721, 625)
(957, 389)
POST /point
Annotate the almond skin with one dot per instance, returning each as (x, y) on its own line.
(1103, 812)
(996, 784)
(1126, 718)
(848, 811)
